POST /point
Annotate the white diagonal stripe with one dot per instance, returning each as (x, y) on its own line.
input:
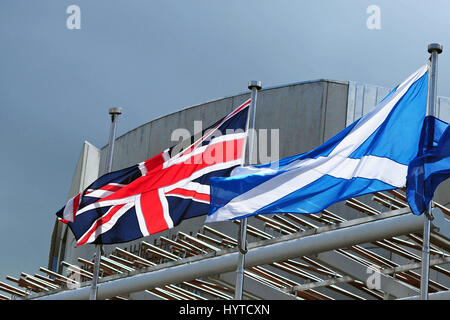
(99, 193)
(165, 207)
(108, 225)
(140, 216)
(187, 197)
(101, 204)
(193, 186)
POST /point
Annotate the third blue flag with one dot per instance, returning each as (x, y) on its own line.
(431, 166)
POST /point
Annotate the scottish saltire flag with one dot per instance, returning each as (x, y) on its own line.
(431, 166)
(161, 192)
(370, 155)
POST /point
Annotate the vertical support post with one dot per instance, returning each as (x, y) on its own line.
(434, 49)
(114, 112)
(254, 86)
(425, 274)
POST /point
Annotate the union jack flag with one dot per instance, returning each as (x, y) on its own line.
(159, 193)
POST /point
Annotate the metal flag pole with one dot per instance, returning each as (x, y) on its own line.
(114, 112)
(254, 86)
(434, 49)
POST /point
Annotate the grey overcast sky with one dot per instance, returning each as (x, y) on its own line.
(153, 57)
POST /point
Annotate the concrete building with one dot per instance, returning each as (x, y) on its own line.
(306, 114)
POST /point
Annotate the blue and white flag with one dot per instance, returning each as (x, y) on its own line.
(370, 155)
(431, 166)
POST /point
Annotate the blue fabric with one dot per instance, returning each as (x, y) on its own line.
(389, 139)
(430, 167)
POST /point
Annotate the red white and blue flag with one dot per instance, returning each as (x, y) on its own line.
(159, 193)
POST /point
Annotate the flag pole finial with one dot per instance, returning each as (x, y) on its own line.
(114, 112)
(254, 84)
(435, 47)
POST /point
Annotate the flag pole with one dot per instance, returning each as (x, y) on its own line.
(254, 86)
(434, 49)
(114, 112)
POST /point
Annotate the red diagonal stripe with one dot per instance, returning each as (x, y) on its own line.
(75, 204)
(99, 222)
(189, 193)
(111, 187)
